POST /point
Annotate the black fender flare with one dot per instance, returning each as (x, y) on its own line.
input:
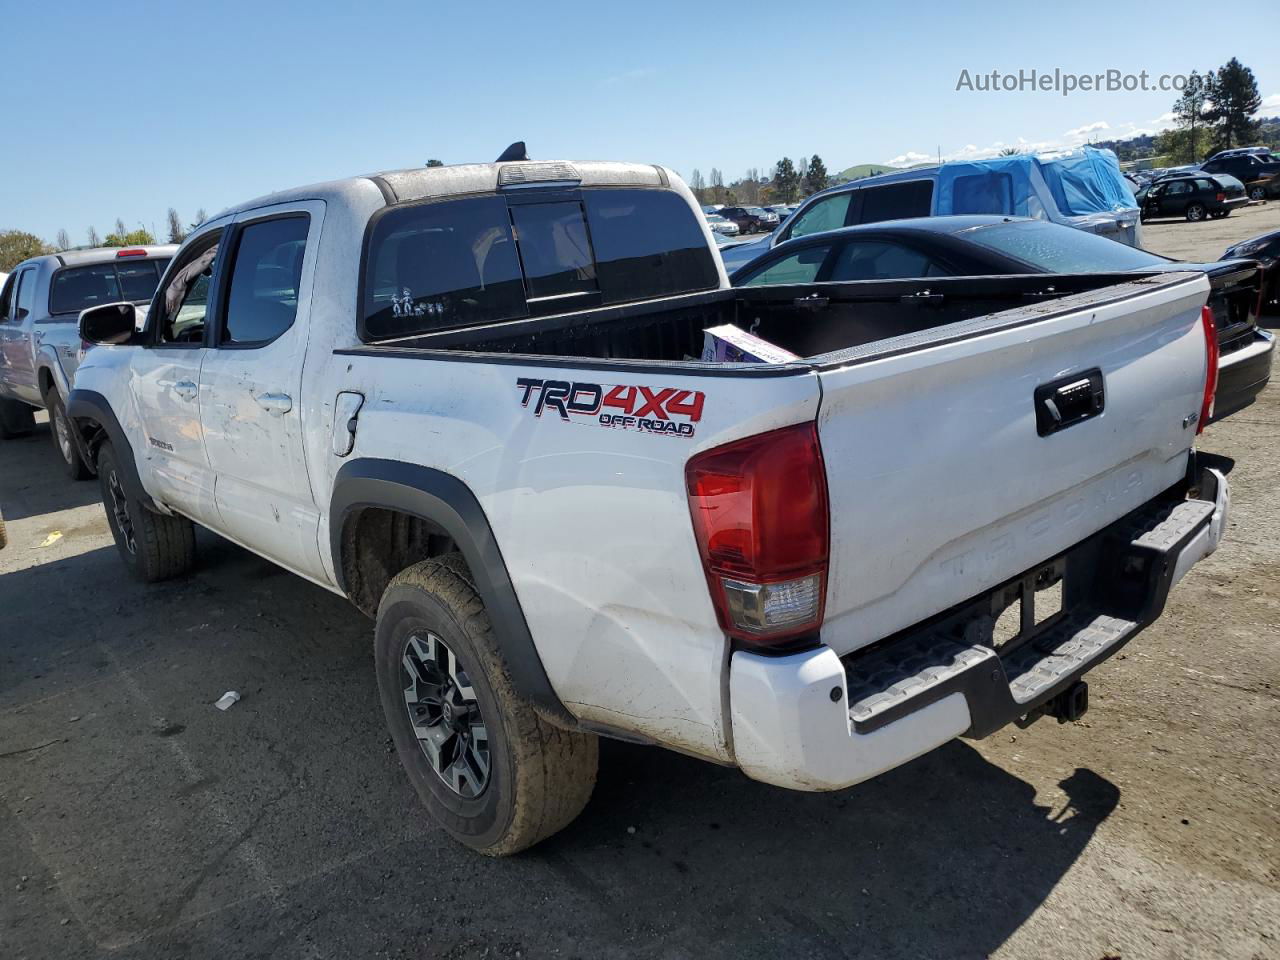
(445, 501)
(89, 406)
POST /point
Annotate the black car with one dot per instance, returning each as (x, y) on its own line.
(747, 221)
(1194, 196)
(996, 246)
(1266, 250)
(1259, 172)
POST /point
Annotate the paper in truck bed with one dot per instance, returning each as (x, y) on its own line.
(730, 344)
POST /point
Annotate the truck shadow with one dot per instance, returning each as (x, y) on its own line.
(947, 856)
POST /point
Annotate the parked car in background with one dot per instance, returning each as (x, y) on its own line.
(1266, 250)
(996, 246)
(40, 306)
(1259, 172)
(768, 217)
(747, 218)
(1083, 189)
(1194, 197)
(423, 391)
(719, 224)
(1265, 153)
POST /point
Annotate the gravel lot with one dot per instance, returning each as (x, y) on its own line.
(138, 821)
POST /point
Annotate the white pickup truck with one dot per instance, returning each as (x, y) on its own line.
(469, 399)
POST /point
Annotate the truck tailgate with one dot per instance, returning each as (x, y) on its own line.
(944, 482)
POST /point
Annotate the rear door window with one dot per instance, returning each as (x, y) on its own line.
(897, 201)
(555, 249)
(883, 260)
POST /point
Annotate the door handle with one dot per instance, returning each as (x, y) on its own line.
(185, 389)
(276, 404)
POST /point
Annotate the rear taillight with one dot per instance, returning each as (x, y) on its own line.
(1211, 367)
(760, 515)
(1220, 197)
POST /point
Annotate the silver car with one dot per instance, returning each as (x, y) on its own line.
(40, 304)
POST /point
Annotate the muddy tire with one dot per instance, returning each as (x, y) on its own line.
(153, 546)
(16, 419)
(491, 771)
(60, 428)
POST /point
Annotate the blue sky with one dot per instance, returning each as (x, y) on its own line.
(124, 109)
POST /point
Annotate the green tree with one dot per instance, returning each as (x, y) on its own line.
(816, 178)
(786, 182)
(1009, 152)
(435, 163)
(176, 233)
(1190, 110)
(18, 245)
(1235, 99)
(130, 238)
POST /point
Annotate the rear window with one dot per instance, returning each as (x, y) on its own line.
(78, 288)
(1057, 249)
(983, 193)
(897, 201)
(461, 263)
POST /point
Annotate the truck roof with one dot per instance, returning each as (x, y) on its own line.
(67, 258)
(422, 183)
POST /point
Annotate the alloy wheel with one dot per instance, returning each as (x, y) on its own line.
(62, 432)
(445, 715)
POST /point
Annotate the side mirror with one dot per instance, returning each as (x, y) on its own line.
(109, 324)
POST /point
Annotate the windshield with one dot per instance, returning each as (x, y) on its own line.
(1058, 249)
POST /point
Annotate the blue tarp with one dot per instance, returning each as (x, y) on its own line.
(1083, 188)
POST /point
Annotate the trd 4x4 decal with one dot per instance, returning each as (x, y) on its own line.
(668, 410)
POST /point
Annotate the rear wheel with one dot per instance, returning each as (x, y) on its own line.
(492, 772)
(1195, 212)
(64, 440)
(1258, 193)
(16, 419)
(153, 546)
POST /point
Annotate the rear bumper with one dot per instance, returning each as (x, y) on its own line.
(1242, 374)
(810, 721)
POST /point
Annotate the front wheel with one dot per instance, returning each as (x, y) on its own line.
(491, 771)
(1195, 213)
(153, 546)
(64, 441)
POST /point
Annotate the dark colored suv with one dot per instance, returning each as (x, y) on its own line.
(747, 221)
(1259, 173)
(1196, 197)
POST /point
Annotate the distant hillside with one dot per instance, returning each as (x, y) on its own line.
(862, 170)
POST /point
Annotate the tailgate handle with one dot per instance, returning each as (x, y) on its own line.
(1069, 400)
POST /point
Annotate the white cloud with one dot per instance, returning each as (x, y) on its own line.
(1164, 118)
(1082, 133)
(1270, 104)
(908, 159)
